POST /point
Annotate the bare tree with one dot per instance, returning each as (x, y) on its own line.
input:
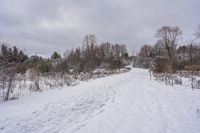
(10, 73)
(168, 37)
(193, 50)
(2, 77)
(7, 78)
(146, 51)
(90, 40)
(89, 43)
(10, 60)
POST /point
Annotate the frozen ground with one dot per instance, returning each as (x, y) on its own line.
(123, 103)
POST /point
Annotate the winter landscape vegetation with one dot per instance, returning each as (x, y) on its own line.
(98, 85)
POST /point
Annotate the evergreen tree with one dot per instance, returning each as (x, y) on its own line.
(55, 55)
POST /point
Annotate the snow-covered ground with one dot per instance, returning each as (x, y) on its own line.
(123, 103)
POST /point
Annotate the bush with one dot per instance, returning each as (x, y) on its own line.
(44, 66)
(116, 64)
(160, 64)
(193, 68)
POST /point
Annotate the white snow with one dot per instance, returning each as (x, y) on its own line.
(123, 103)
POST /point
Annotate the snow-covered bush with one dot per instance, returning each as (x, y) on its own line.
(32, 81)
(184, 78)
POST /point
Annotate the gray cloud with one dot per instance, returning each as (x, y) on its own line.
(42, 26)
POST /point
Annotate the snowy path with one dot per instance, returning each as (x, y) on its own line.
(123, 103)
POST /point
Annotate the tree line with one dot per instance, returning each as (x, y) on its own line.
(86, 58)
(168, 54)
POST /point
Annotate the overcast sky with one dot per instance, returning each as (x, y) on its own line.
(44, 26)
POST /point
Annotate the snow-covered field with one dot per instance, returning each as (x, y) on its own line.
(124, 103)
